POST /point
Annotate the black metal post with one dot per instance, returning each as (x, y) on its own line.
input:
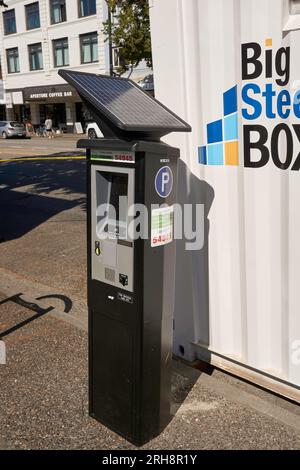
(111, 66)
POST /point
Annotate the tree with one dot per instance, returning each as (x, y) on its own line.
(128, 29)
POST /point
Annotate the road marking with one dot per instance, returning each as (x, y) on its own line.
(77, 317)
(19, 147)
(25, 159)
(23, 147)
(20, 153)
(29, 151)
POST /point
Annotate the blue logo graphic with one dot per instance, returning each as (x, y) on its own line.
(164, 181)
(222, 135)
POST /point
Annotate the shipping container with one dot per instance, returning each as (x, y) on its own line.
(231, 69)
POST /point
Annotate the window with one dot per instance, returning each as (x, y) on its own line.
(117, 58)
(32, 15)
(86, 7)
(58, 11)
(35, 56)
(12, 56)
(61, 52)
(89, 48)
(9, 21)
(115, 13)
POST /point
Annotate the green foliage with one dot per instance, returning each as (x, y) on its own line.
(129, 31)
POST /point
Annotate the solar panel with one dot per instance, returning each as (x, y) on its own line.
(124, 103)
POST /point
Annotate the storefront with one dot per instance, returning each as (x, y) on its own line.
(59, 102)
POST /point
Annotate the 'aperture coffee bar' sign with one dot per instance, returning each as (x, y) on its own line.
(52, 93)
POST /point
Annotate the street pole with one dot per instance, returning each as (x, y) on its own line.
(2, 4)
(111, 67)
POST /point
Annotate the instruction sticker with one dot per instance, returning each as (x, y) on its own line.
(162, 222)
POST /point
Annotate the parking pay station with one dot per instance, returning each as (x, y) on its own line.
(130, 174)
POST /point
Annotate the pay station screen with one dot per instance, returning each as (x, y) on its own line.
(116, 187)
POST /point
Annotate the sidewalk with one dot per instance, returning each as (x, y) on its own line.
(44, 399)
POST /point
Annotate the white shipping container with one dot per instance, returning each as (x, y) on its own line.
(238, 298)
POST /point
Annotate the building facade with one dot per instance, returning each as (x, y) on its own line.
(37, 39)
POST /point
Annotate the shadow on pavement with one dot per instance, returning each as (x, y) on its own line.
(34, 191)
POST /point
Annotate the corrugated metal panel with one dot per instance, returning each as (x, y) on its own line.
(239, 295)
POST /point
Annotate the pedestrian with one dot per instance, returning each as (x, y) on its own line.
(48, 127)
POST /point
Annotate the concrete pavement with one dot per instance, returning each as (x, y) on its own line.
(44, 383)
(44, 399)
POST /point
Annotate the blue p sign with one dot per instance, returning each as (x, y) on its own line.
(164, 181)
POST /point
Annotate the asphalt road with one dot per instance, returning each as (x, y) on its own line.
(42, 221)
(16, 148)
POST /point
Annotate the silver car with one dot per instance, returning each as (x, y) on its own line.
(12, 129)
(147, 83)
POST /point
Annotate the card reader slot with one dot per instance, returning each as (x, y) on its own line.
(125, 243)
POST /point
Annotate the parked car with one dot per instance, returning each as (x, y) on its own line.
(93, 131)
(147, 83)
(12, 129)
